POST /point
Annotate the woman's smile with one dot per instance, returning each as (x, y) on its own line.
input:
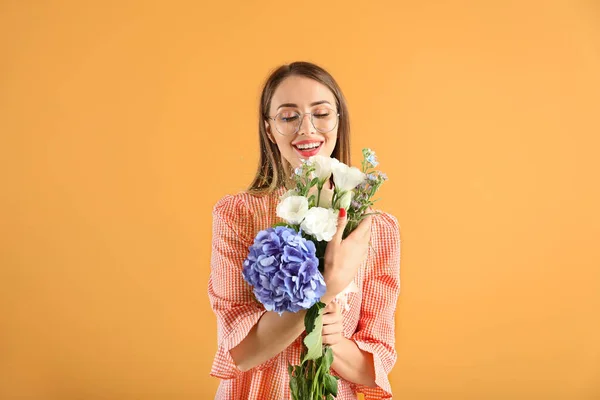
(307, 148)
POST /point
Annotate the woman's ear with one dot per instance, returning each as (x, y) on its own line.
(269, 133)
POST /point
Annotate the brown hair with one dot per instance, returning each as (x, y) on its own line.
(270, 174)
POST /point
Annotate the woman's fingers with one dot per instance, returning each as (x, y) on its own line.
(332, 321)
(332, 329)
(331, 333)
(332, 339)
(331, 313)
(363, 230)
(365, 226)
(333, 307)
(341, 225)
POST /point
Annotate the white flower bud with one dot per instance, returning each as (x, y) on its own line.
(346, 199)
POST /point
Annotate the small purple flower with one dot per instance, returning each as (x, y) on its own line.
(363, 186)
(283, 269)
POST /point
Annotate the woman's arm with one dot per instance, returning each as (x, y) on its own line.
(375, 333)
(352, 363)
(244, 336)
(269, 337)
(367, 357)
(349, 361)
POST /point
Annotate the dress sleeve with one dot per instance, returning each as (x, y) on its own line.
(381, 287)
(230, 296)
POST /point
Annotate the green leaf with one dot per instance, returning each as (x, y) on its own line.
(314, 340)
(294, 388)
(327, 359)
(299, 372)
(290, 369)
(286, 225)
(331, 384)
(311, 316)
(314, 343)
(330, 397)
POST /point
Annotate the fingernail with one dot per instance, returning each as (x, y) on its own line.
(342, 212)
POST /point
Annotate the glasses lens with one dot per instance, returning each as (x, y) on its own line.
(324, 119)
(287, 122)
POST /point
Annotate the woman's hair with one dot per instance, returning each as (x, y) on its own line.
(270, 174)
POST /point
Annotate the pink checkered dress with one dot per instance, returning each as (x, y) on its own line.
(369, 320)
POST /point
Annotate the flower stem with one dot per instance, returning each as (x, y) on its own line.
(319, 187)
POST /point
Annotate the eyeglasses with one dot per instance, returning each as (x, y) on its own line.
(288, 122)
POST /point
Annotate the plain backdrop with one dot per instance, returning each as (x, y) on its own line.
(123, 122)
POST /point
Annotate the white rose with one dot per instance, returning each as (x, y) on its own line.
(293, 209)
(321, 223)
(347, 178)
(322, 166)
(346, 199)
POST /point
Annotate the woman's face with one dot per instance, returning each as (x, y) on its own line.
(303, 95)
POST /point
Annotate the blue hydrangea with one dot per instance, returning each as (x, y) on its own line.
(283, 269)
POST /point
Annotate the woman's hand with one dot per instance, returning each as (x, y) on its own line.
(344, 257)
(332, 324)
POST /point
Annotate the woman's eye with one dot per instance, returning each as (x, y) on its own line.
(289, 118)
(321, 114)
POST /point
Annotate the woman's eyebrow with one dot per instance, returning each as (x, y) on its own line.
(315, 103)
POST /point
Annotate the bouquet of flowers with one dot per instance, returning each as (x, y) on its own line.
(285, 263)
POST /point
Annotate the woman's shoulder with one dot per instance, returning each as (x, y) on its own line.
(385, 223)
(385, 241)
(230, 202)
(245, 205)
(233, 205)
(231, 212)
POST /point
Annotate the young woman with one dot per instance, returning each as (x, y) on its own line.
(302, 113)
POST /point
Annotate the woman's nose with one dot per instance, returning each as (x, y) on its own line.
(306, 127)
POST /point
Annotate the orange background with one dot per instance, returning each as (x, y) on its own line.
(122, 123)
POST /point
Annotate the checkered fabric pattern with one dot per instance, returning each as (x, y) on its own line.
(369, 321)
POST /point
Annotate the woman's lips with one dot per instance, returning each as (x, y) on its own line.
(308, 152)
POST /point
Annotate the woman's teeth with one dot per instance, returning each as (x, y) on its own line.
(308, 146)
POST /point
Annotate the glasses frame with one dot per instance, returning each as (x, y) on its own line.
(302, 115)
